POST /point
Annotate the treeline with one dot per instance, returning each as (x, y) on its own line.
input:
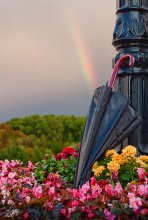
(31, 137)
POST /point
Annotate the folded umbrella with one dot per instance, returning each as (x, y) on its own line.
(110, 120)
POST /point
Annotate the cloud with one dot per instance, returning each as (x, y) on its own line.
(39, 68)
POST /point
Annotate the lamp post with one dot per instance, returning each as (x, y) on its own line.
(131, 37)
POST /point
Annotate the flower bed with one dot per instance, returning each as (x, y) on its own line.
(117, 190)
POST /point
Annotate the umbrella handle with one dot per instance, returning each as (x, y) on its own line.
(117, 67)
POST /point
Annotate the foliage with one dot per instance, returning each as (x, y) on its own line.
(16, 145)
(22, 153)
(24, 196)
(51, 131)
(64, 163)
(30, 138)
(9, 136)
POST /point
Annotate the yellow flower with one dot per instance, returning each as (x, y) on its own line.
(110, 153)
(108, 174)
(118, 159)
(97, 171)
(144, 158)
(95, 166)
(128, 153)
(113, 166)
(140, 162)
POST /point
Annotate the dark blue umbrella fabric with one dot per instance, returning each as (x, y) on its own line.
(110, 120)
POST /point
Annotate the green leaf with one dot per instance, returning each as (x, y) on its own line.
(125, 176)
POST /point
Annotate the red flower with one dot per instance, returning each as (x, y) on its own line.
(79, 145)
(102, 183)
(66, 153)
(75, 154)
(60, 156)
(68, 150)
(93, 181)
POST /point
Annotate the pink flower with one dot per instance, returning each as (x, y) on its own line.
(89, 196)
(3, 201)
(12, 175)
(109, 215)
(138, 201)
(146, 180)
(96, 190)
(6, 162)
(3, 181)
(144, 212)
(30, 165)
(26, 215)
(133, 204)
(109, 189)
(27, 199)
(82, 197)
(4, 193)
(51, 190)
(69, 213)
(58, 184)
(131, 196)
(75, 193)
(141, 173)
(142, 190)
(83, 209)
(51, 177)
(63, 211)
(118, 189)
(13, 163)
(133, 188)
(49, 205)
(74, 203)
(90, 214)
(10, 202)
(37, 191)
(85, 187)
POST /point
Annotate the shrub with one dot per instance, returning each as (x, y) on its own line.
(24, 195)
(21, 153)
(64, 163)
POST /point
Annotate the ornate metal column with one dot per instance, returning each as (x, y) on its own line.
(131, 36)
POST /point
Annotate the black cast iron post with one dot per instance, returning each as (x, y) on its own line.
(131, 37)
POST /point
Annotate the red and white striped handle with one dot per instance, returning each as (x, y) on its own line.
(118, 65)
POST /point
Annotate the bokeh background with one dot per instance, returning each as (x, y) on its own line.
(53, 53)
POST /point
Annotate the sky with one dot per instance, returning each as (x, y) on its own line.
(53, 54)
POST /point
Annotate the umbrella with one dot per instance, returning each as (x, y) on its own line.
(110, 120)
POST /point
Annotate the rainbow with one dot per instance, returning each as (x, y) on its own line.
(83, 56)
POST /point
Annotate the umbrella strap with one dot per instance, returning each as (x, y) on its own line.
(117, 67)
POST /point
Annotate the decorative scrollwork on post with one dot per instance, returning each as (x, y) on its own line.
(136, 27)
(120, 29)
